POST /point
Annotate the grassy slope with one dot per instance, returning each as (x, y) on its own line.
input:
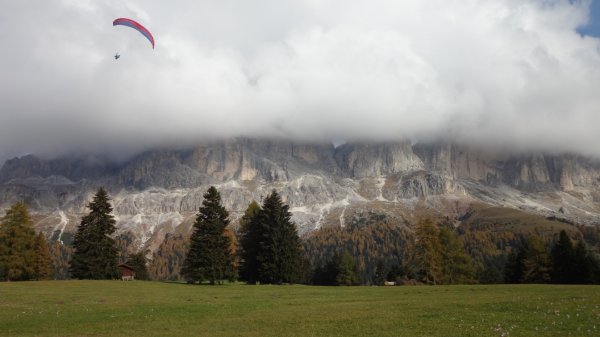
(113, 308)
(508, 219)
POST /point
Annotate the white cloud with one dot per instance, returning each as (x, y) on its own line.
(508, 71)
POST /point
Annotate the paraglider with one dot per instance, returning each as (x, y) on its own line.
(133, 24)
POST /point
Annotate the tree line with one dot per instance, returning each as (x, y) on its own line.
(564, 263)
(266, 249)
(269, 251)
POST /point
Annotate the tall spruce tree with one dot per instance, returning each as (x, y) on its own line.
(209, 257)
(95, 254)
(562, 257)
(582, 264)
(280, 256)
(250, 234)
(17, 244)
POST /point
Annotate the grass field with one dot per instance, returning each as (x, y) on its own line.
(115, 308)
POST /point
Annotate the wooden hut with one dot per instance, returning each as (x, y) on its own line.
(127, 272)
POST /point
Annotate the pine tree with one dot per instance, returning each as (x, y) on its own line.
(513, 268)
(562, 256)
(95, 254)
(43, 268)
(280, 257)
(250, 234)
(17, 244)
(209, 257)
(582, 264)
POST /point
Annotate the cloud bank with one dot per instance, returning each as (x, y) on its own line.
(510, 72)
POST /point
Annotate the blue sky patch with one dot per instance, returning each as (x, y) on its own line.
(593, 27)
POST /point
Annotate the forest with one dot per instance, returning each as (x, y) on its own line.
(488, 246)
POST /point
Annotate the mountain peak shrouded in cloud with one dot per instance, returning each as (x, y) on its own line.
(514, 72)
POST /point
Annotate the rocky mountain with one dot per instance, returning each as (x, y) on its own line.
(159, 191)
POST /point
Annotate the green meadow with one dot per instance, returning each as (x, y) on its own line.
(116, 308)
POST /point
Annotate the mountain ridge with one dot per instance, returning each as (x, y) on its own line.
(158, 190)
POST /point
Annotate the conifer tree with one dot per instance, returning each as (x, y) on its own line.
(280, 257)
(346, 269)
(582, 264)
(563, 256)
(573, 265)
(513, 268)
(250, 234)
(17, 244)
(43, 268)
(209, 257)
(95, 254)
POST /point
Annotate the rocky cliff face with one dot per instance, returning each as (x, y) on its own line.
(157, 191)
(377, 160)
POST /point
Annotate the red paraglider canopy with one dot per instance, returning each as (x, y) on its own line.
(136, 26)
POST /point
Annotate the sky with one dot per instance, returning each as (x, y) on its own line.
(524, 74)
(592, 27)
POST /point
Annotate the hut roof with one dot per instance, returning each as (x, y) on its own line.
(123, 265)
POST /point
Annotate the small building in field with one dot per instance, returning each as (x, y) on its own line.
(127, 272)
